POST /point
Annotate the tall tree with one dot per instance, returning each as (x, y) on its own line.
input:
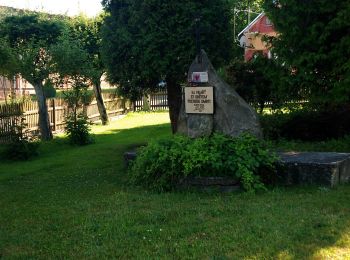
(147, 41)
(87, 30)
(314, 42)
(29, 38)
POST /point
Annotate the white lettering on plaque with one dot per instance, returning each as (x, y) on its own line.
(200, 77)
(199, 100)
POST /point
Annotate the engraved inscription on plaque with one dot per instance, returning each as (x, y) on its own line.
(199, 100)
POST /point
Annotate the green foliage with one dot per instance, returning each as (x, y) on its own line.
(78, 129)
(307, 124)
(77, 124)
(314, 43)
(272, 124)
(162, 164)
(29, 37)
(339, 145)
(8, 64)
(71, 60)
(261, 80)
(73, 67)
(151, 40)
(49, 89)
(87, 31)
(21, 146)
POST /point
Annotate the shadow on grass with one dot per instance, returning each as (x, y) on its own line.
(58, 156)
(72, 192)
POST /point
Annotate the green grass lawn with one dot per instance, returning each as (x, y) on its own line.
(75, 202)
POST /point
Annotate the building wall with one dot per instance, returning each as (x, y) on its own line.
(255, 34)
(18, 87)
(263, 25)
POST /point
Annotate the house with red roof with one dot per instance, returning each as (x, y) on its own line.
(251, 38)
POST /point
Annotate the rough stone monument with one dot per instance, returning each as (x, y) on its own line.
(211, 105)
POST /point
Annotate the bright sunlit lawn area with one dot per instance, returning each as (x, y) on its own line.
(76, 202)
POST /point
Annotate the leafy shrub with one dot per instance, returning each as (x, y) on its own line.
(77, 124)
(21, 146)
(272, 124)
(259, 81)
(162, 164)
(78, 129)
(308, 125)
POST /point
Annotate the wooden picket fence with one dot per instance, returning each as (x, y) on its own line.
(57, 108)
(157, 101)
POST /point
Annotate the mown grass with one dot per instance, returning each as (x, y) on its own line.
(75, 202)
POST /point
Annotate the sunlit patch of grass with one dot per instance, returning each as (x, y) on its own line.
(133, 120)
(340, 250)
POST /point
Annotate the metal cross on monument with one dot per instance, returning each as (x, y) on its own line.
(198, 39)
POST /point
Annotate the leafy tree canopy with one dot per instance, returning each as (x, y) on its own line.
(150, 40)
(87, 32)
(146, 41)
(314, 42)
(29, 38)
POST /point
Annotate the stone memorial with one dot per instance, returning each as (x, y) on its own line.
(211, 105)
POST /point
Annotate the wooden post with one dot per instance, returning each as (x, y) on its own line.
(53, 114)
(124, 106)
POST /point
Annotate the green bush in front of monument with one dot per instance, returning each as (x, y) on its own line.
(163, 164)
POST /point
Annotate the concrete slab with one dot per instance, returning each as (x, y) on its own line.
(329, 169)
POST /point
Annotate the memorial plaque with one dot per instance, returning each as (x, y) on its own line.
(200, 77)
(199, 100)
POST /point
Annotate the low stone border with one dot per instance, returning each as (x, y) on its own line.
(315, 168)
(294, 168)
(222, 184)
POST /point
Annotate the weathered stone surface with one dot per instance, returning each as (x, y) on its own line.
(232, 115)
(221, 184)
(199, 125)
(210, 181)
(328, 169)
(129, 156)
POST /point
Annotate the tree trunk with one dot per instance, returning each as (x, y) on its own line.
(44, 121)
(174, 102)
(100, 105)
(145, 103)
(13, 88)
(3, 85)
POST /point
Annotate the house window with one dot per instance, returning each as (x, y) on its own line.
(268, 22)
